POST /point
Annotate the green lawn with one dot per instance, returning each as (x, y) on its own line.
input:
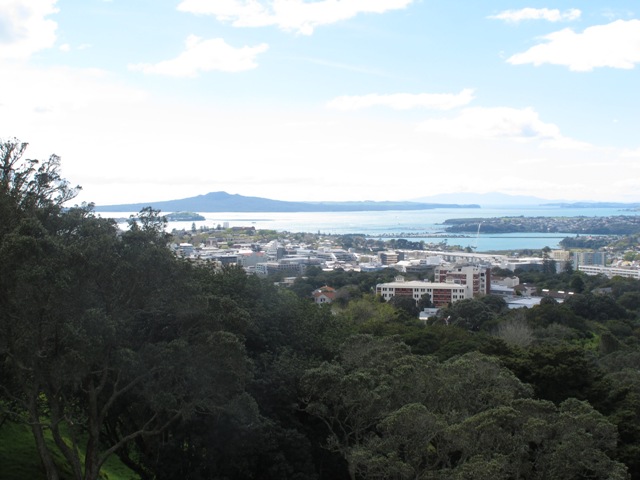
(19, 459)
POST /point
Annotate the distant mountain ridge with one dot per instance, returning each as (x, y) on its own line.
(594, 205)
(225, 202)
(493, 198)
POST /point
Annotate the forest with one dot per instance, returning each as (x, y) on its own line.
(112, 347)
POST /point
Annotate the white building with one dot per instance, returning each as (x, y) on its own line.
(441, 294)
(610, 271)
(478, 278)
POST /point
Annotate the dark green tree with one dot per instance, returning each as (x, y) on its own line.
(100, 331)
(406, 304)
(425, 302)
(470, 314)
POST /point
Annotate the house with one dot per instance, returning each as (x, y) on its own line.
(324, 295)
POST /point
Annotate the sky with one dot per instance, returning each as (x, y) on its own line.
(309, 100)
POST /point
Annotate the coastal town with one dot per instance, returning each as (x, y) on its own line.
(446, 273)
(605, 225)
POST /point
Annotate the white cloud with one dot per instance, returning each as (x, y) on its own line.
(204, 56)
(521, 125)
(499, 122)
(404, 101)
(65, 93)
(24, 28)
(550, 15)
(631, 153)
(291, 15)
(615, 45)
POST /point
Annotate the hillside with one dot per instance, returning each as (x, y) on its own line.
(225, 202)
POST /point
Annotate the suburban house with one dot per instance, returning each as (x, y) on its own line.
(324, 295)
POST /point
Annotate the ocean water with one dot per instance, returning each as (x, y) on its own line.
(415, 225)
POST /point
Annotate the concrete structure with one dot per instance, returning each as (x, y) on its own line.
(588, 258)
(185, 249)
(468, 258)
(269, 268)
(560, 255)
(388, 258)
(478, 278)
(335, 255)
(441, 294)
(505, 281)
(248, 258)
(502, 290)
(523, 302)
(523, 264)
(428, 313)
(610, 271)
(419, 266)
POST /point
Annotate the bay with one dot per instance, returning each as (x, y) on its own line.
(414, 225)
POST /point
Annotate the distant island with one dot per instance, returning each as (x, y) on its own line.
(184, 217)
(225, 202)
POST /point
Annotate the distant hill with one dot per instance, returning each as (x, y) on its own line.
(633, 206)
(225, 202)
(483, 199)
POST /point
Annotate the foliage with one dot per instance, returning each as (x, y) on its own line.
(111, 346)
(470, 314)
(465, 416)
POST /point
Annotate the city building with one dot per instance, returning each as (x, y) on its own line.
(560, 255)
(442, 294)
(478, 278)
(610, 271)
(588, 258)
(389, 258)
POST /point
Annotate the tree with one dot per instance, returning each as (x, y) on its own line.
(577, 283)
(533, 439)
(29, 187)
(368, 310)
(596, 307)
(424, 302)
(496, 303)
(557, 372)
(406, 304)
(470, 314)
(100, 332)
(404, 447)
(515, 331)
(370, 379)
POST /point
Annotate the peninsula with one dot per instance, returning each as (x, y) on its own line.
(611, 225)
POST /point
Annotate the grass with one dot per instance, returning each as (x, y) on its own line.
(19, 458)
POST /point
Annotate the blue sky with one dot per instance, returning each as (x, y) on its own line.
(150, 100)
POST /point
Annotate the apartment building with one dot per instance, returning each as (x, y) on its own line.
(442, 294)
(610, 271)
(477, 277)
(588, 258)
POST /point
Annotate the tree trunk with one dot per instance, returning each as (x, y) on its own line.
(92, 454)
(352, 469)
(45, 455)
